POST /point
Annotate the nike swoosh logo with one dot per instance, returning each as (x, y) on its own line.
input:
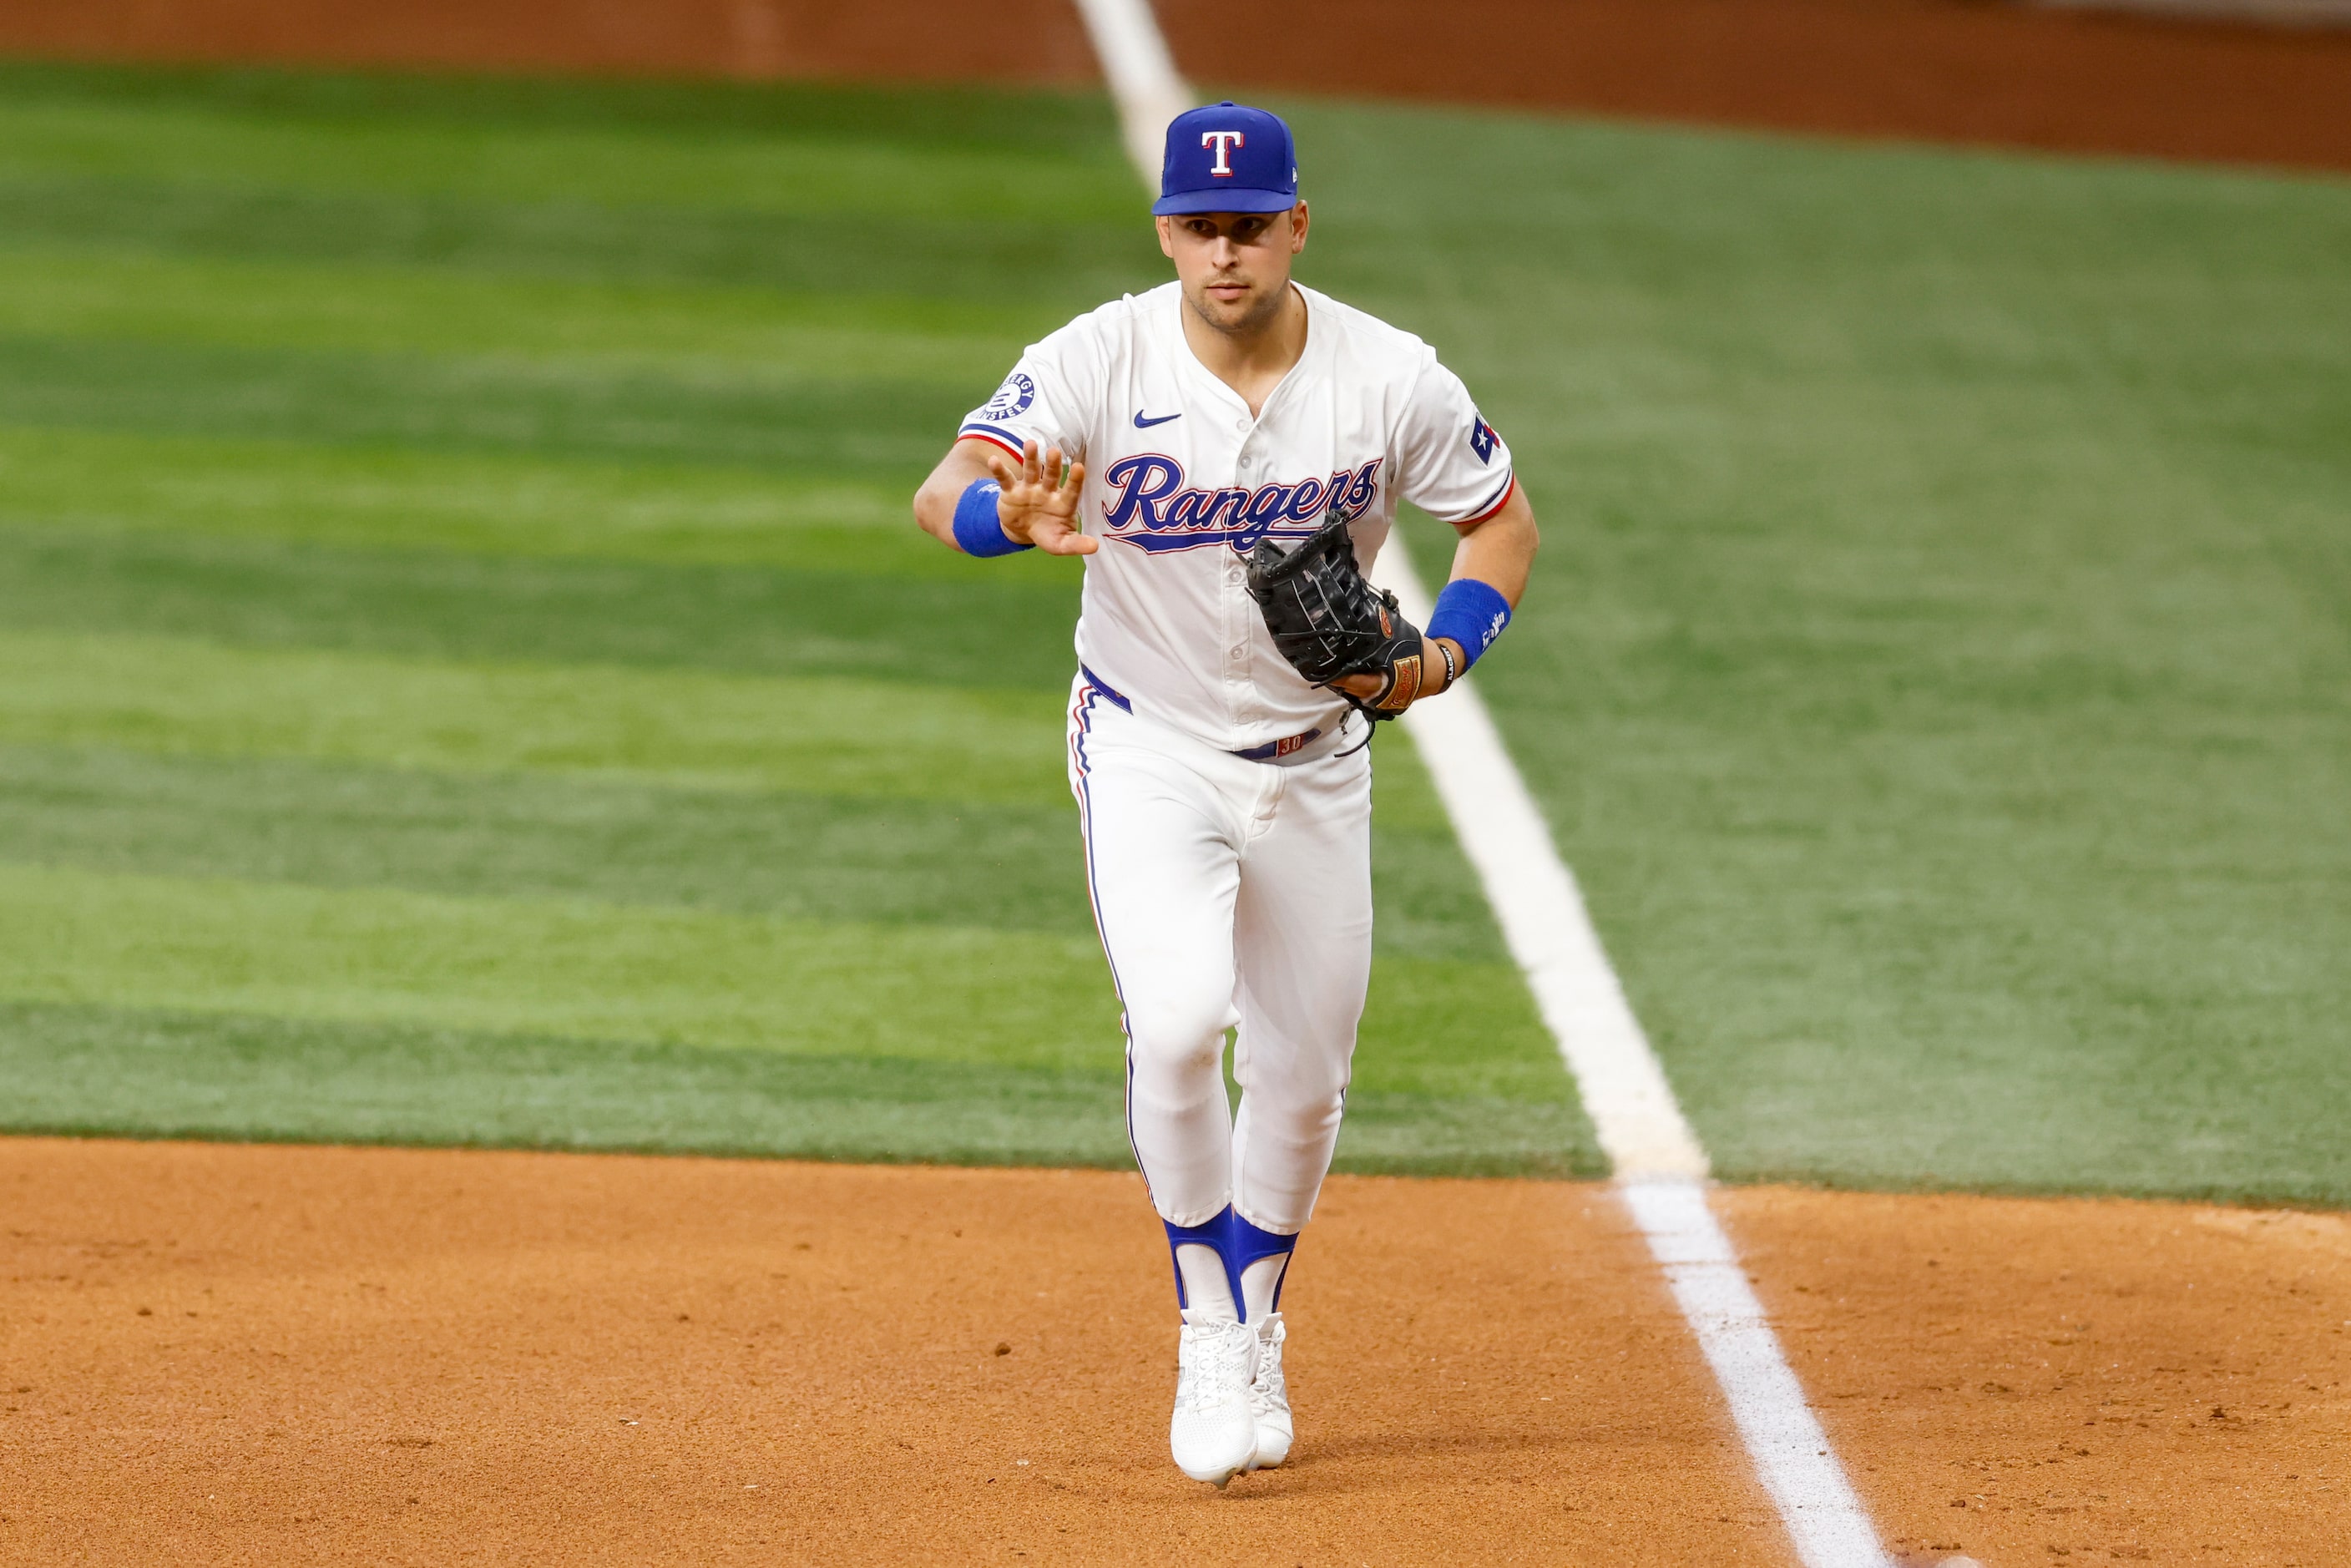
(1143, 423)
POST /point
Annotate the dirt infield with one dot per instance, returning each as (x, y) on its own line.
(1966, 71)
(275, 1354)
(2073, 1381)
(434, 1356)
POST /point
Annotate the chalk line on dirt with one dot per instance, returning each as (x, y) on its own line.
(1659, 1166)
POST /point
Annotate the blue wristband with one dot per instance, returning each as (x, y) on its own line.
(977, 528)
(1471, 613)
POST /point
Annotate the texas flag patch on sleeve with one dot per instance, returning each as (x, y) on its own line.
(1482, 438)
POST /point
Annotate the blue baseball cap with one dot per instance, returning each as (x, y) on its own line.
(1228, 158)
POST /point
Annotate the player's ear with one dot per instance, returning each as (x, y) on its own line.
(1297, 226)
(1167, 227)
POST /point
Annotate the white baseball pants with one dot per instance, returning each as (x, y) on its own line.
(1229, 893)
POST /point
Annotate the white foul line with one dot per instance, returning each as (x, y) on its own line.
(1659, 1167)
(1543, 919)
(1142, 74)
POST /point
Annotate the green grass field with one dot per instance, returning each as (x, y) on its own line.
(467, 672)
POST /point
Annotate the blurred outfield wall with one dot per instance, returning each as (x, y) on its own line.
(2059, 76)
(1011, 40)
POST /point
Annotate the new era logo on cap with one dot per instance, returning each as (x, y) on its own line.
(1228, 158)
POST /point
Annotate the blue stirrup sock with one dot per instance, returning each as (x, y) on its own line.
(1202, 1285)
(1260, 1260)
(1229, 1268)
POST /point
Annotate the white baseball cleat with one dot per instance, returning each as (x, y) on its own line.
(1270, 1394)
(1213, 1434)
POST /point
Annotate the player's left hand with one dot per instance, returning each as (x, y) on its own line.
(1432, 670)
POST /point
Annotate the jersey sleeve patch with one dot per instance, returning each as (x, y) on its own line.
(1450, 462)
(1482, 439)
(1044, 400)
(1011, 399)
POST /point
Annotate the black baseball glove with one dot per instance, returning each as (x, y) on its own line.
(1328, 621)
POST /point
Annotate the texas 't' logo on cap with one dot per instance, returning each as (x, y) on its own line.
(1228, 158)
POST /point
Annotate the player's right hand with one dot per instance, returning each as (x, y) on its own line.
(1040, 503)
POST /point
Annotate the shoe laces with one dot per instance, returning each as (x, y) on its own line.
(1269, 1391)
(1213, 1362)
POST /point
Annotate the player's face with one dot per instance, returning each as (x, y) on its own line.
(1235, 267)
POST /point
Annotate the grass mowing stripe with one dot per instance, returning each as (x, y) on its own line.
(756, 333)
(1077, 125)
(166, 1074)
(636, 167)
(737, 416)
(1038, 266)
(815, 735)
(1004, 867)
(651, 975)
(557, 967)
(108, 482)
(1003, 624)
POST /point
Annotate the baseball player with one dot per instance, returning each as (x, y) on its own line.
(1223, 451)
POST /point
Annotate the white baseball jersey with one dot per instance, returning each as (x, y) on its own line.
(1182, 483)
